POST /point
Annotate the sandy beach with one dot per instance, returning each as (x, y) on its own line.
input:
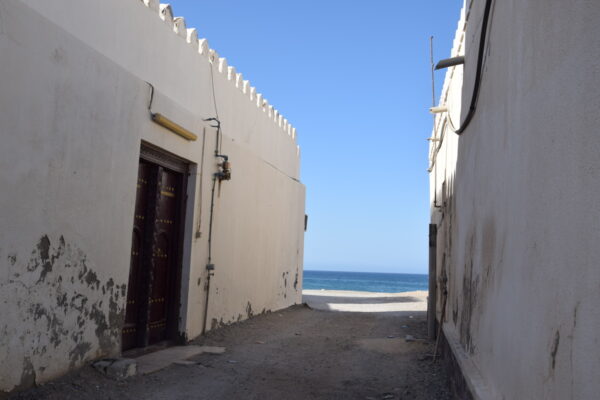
(351, 301)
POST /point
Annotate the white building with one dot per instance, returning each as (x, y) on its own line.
(514, 201)
(103, 132)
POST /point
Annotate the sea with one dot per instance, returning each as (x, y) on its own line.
(364, 281)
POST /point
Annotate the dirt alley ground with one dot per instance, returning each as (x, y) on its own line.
(297, 353)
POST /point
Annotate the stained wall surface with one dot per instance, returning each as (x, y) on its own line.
(74, 93)
(517, 210)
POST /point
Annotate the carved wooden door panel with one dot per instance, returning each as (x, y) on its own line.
(164, 254)
(134, 291)
(155, 270)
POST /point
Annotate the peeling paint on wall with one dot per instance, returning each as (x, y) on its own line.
(284, 276)
(217, 323)
(249, 312)
(296, 280)
(470, 287)
(554, 349)
(467, 307)
(488, 251)
(61, 313)
(28, 376)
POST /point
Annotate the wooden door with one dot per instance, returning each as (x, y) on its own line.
(153, 290)
(135, 294)
(164, 255)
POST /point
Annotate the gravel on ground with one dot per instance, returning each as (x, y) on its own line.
(297, 353)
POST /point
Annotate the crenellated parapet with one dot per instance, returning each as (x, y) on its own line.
(220, 65)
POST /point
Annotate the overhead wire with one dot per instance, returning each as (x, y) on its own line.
(214, 97)
(476, 86)
(480, 60)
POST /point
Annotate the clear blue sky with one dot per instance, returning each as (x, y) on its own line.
(353, 78)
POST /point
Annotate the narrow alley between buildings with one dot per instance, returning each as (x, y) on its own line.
(313, 351)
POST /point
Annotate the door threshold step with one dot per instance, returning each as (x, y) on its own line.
(152, 362)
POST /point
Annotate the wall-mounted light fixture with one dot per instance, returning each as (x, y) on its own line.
(450, 62)
(173, 127)
(438, 109)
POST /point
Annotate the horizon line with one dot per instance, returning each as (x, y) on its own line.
(366, 272)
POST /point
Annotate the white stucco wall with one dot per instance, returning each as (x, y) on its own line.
(73, 114)
(519, 233)
(137, 38)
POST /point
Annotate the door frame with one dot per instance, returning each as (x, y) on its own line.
(166, 160)
(177, 164)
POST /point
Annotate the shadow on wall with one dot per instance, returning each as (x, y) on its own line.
(57, 313)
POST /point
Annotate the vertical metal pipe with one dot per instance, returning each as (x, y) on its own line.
(201, 185)
(210, 266)
(432, 73)
(433, 105)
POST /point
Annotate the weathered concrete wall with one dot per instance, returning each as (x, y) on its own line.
(518, 229)
(73, 114)
(67, 200)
